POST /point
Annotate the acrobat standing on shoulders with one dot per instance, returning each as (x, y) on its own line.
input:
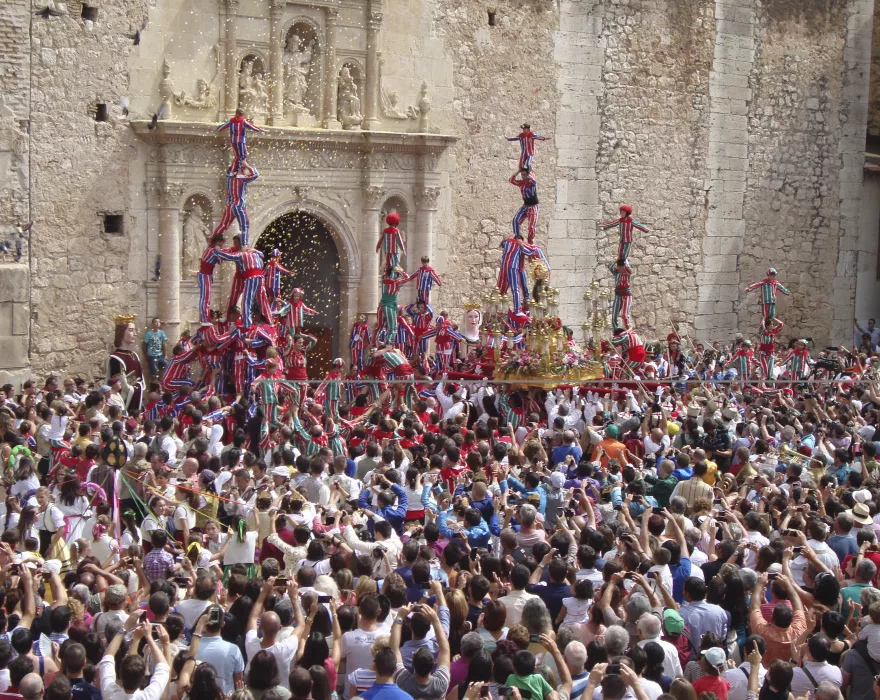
(527, 139)
(625, 224)
(512, 271)
(769, 286)
(358, 341)
(205, 275)
(391, 243)
(622, 293)
(237, 180)
(767, 346)
(528, 186)
(426, 276)
(238, 127)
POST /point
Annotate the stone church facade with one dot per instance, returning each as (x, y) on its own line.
(736, 129)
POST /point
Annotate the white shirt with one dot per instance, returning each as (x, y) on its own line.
(671, 662)
(652, 447)
(191, 609)
(750, 555)
(739, 681)
(283, 651)
(801, 686)
(355, 648)
(824, 553)
(241, 552)
(515, 601)
(111, 691)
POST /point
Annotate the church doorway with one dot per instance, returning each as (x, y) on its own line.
(307, 248)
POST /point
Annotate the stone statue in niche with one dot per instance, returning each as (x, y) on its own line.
(253, 97)
(166, 92)
(207, 94)
(298, 67)
(349, 103)
(196, 233)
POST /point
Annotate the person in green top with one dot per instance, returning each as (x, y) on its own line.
(532, 685)
(869, 450)
(866, 570)
(662, 486)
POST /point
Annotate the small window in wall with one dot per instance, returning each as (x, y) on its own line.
(89, 13)
(114, 223)
(102, 114)
(491, 15)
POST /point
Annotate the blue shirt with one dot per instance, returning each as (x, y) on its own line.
(679, 572)
(153, 340)
(842, 545)
(385, 691)
(408, 649)
(224, 657)
(521, 488)
(395, 516)
(562, 451)
(704, 617)
(552, 595)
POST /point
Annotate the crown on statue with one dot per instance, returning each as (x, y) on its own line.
(472, 306)
(124, 319)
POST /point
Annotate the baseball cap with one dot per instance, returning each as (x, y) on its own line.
(715, 656)
(283, 472)
(861, 496)
(673, 622)
(557, 479)
(612, 431)
(105, 389)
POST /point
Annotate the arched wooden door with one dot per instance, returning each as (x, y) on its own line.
(307, 248)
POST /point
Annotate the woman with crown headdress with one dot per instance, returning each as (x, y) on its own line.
(125, 363)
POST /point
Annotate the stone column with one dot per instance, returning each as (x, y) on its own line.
(330, 72)
(231, 63)
(276, 66)
(348, 292)
(168, 195)
(370, 93)
(421, 240)
(368, 294)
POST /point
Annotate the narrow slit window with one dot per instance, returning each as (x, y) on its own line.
(491, 15)
(89, 13)
(102, 114)
(113, 223)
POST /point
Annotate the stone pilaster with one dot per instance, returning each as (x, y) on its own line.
(727, 163)
(276, 66)
(230, 78)
(421, 240)
(374, 24)
(851, 148)
(368, 295)
(330, 72)
(167, 195)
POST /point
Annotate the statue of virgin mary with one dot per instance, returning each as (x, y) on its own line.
(125, 363)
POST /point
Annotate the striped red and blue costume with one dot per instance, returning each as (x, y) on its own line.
(245, 364)
(529, 210)
(391, 243)
(357, 343)
(625, 225)
(272, 272)
(512, 272)
(769, 286)
(421, 325)
(631, 348)
(622, 295)
(210, 359)
(177, 372)
(249, 281)
(445, 340)
(527, 139)
(767, 348)
(206, 278)
(236, 204)
(426, 276)
(238, 127)
(517, 322)
(386, 314)
(295, 313)
(406, 337)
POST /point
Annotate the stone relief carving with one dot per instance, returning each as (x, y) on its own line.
(207, 94)
(196, 233)
(390, 100)
(373, 197)
(426, 197)
(343, 201)
(350, 115)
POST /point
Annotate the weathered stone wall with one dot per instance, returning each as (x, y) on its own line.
(874, 96)
(81, 171)
(14, 205)
(732, 126)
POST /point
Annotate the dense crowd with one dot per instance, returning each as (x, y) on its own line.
(686, 539)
